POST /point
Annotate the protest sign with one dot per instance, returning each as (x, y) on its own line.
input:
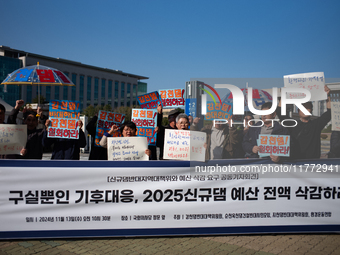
(105, 121)
(277, 145)
(172, 97)
(13, 138)
(335, 109)
(127, 148)
(146, 122)
(184, 145)
(150, 100)
(64, 116)
(314, 82)
(218, 111)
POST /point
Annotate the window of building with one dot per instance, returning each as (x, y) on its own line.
(73, 88)
(96, 86)
(56, 92)
(88, 90)
(48, 93)
(81, 90)
(103, 92)
(109, 94)
(116, 94)
(128, 94)
(134, 93)
(29, 94)
(122, 95)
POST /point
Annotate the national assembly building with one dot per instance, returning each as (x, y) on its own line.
(94, 85)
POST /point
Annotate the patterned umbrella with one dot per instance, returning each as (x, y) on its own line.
(37, 75)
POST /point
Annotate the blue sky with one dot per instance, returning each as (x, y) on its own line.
(173, 41)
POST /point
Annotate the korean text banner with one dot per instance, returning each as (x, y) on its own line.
(127, 148)
(64, 116)
(277, 145)
(150, 100)
(146, 122)
(184, 145)
(105, 121)
(12, 138)
(218, 111)
(172, 97)
(314, 82)
(45, 199)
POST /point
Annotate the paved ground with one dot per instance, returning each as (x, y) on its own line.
(245, 244)
(248, 244)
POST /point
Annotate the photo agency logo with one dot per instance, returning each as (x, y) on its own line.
(238, 103)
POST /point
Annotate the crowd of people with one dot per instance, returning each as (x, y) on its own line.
(223, 141)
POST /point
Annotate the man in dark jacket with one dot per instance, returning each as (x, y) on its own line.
(96, 153)
(269, 127)
(68, 149)
(307, 132)
(161, 129)
(34, 146)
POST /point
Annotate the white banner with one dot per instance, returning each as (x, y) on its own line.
(13, 138)
(184, 145)
(314, 82)
(52, 196)
(127, 148)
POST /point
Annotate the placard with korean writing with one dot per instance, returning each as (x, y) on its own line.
(172, 97)
(277, 145)
(218, 111)
(12, 138)
(105, 121)
(150, 100)
(184, 145)
(146, 122)
(127, 148)
(314, 82)
(64, 116)
(63, 199)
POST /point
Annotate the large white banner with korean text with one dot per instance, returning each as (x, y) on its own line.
(165, 195)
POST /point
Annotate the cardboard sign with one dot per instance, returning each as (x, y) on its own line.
(127, 148)
(64, 116)
(150, 100)
(277, 145)
(314, 82)
(146, 122)
(184, 145)
(13, 138)
(216, 111)
(172, 97)
(105, 121)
